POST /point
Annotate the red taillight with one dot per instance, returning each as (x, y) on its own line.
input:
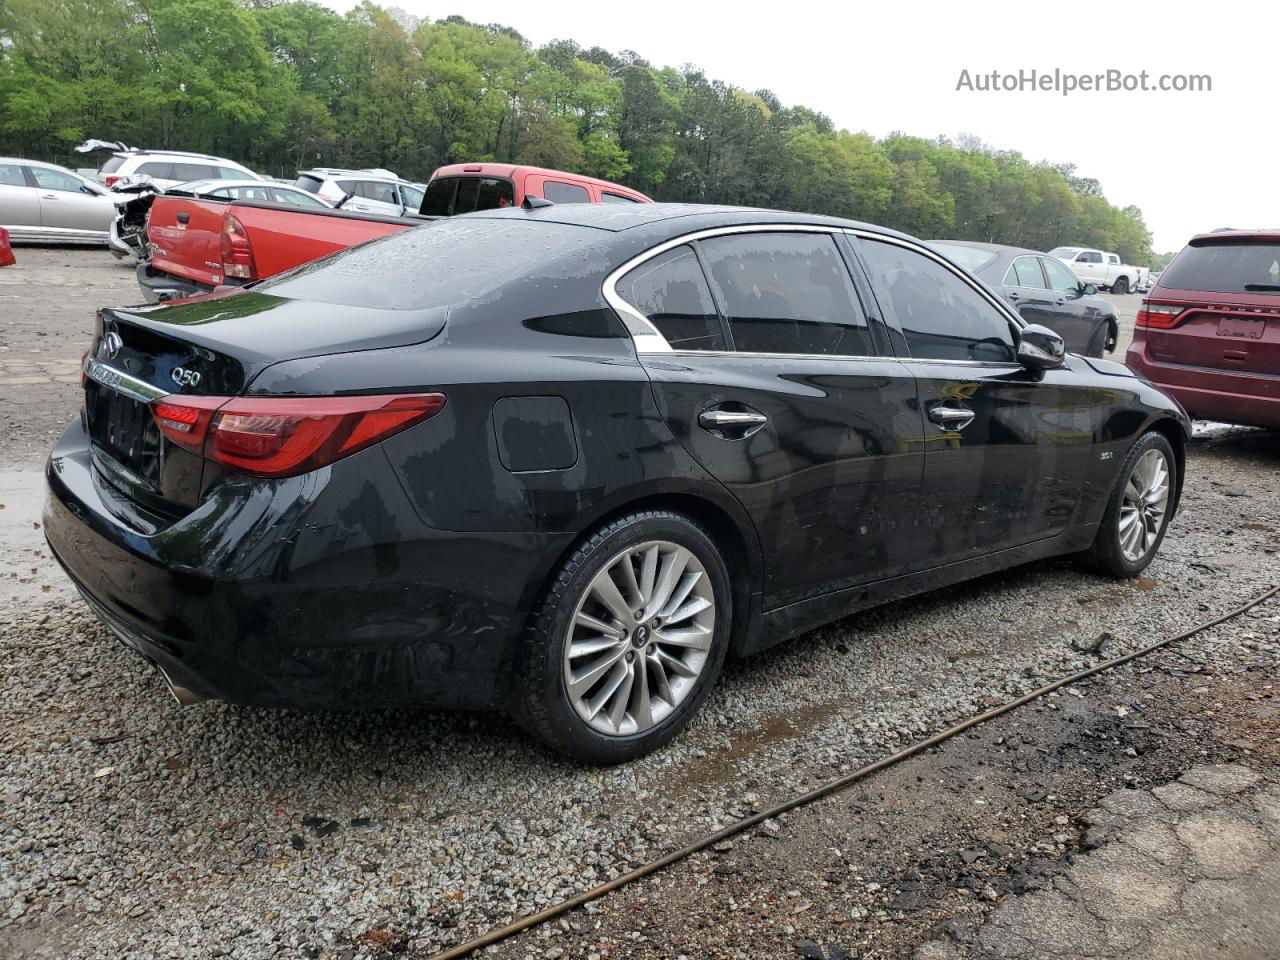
(185, 420)
(1160, 316)
(237, 251)
(110, 181)
(281, 437)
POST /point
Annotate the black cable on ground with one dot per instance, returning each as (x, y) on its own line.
(542, 916)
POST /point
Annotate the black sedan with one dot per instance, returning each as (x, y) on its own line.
(565, 460)
(1043, 290)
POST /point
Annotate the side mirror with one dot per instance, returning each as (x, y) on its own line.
(1088, 289)
(1039, 348)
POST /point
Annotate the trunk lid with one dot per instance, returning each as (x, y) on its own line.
(211, 346)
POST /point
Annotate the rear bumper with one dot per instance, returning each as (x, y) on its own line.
(1228, 396)
(311, 592)
(160, 287)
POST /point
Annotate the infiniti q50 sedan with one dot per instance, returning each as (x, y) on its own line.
(564, 460)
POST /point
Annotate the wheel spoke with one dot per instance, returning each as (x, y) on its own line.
(694, 636)
(591, 623)
(673, 565)
(636, 599)
(662, 686)
(585, 648)
(674, 664)
(607, 592)
(622, 698)
(648, 573)
(679, 595)
(617, 677)
(689, 610)
(641, 701)
(580, 683)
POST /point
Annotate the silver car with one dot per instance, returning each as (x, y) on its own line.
(365, 191)
(43, 201)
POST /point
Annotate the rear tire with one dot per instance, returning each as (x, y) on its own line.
(1138, 512)
(1121, 286)
(627, 642)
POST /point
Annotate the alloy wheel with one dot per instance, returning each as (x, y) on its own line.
(639, 638)
(1146, 499)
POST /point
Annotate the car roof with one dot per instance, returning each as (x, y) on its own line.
(195, 186)
(1236, 236)
(993, 247)
(687, 217)
(377, 174)
(174, 153)
(509, 170)
(39, 163)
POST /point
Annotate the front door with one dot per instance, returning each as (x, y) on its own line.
(1006, 448)
(779, 387)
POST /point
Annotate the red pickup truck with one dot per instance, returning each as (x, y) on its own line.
(198, 245)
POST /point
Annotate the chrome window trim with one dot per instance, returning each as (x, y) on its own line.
(646, 336)
(121, 382)
(1001, 308)
(1011, 272)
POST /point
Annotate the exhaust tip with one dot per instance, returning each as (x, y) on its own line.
(185, 696)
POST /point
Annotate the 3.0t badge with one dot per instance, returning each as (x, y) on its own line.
(185, 378)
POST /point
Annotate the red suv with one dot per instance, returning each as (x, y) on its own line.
(1209, 331)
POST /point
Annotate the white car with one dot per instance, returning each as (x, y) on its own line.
(43, 201)
(168, 168)
(370, 191)
(1102, 268)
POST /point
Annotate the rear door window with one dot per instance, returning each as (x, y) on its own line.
(192, 171)
(787, 293)
(559, 192)
(607, 197)
(309, 183)
(160, 171)
(941, 316)
(112, 165)
(377, 190)
(672, 292)
(1025, 272)
(11, 175)
(1225, 268)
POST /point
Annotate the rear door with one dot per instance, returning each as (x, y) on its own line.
(19, 202)
(779, 386)
(1006, 449)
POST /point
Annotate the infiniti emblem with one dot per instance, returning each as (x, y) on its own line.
(112, 343)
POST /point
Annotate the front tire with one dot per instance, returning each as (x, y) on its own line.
(1137, 515)
(628, 640)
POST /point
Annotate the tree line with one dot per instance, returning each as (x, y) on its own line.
(281, 86)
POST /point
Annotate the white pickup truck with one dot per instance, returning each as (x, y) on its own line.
(1102, 269)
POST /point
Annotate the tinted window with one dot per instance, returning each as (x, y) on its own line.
(227, 173)
(787, 293)
(192, 171)
(1060, 278)
(558, 192)
(447, 196)
(1089, 257)
(296, 198)
(1112, 258)
(439, 264)
(159, 171)
(1225, 268)
(672, 292)
(942, 317)
(971, 258)
(309, 183)
(607, 197)
(11, 175)
(112, 165)
(1024, 272)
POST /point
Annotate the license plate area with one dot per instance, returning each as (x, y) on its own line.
(1241, 328)
(124, 429)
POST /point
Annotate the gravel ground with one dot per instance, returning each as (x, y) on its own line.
(130, 827)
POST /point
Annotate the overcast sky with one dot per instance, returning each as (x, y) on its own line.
(1190, 161)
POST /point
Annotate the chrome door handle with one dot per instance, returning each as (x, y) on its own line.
(951, 418)
(731, 424)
